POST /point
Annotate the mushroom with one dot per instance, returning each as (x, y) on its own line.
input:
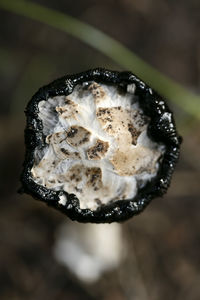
(100, 145)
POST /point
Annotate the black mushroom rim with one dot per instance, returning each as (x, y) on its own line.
(100, 145)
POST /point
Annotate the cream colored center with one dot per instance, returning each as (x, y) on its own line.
(96, 145)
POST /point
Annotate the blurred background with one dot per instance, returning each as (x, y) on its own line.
(155, 255)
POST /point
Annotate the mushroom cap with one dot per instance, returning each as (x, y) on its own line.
(161, 130)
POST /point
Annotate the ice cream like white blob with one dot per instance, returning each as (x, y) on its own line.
(85, 257)
(97, 145)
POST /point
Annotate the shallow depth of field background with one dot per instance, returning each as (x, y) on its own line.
(163, 243)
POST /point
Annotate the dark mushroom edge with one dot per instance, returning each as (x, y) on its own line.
(160, 129)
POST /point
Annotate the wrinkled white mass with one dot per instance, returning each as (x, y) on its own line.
(96, 145)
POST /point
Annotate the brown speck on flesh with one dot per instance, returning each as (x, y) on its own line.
(68, 154)
(58, 134)
(72, 177)
(140, 119)
(108, 119)
(98, 201)
(56, 138)
(68, 110)
(60, 110)
(109, 127)
(64, 151)
(134, 133)
(48, 139)
(102, 111)
(75, 173)
(98, 150)
(94, 176)
(96, 90)
(76, 154)
(77, 135)
(52, 181)
(68, 101)
(72, 132)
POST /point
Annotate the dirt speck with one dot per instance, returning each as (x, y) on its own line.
(98, 150)
(77, 135)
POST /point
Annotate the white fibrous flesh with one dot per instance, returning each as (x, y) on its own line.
(97, 145)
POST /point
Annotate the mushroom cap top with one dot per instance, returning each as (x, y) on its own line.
(159, 130)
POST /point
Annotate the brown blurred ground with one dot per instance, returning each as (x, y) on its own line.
(164, 241)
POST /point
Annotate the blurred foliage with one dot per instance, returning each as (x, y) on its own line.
(184, 99)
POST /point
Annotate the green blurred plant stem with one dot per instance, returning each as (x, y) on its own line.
(180, 96)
